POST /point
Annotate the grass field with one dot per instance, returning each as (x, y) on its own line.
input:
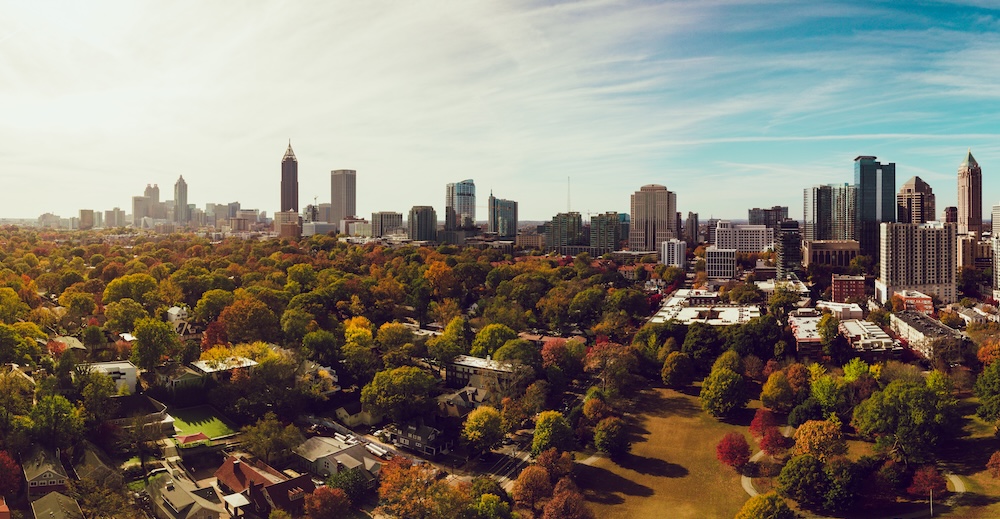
(203, 418)
(967, 458)
(671, 470)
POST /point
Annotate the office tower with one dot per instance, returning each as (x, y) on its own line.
(770, 217)
(995, 227)
(181, 213)
(691, 228)
(460, 205)
(502, 217)
(386, 222)
(829, 212)
(343, 195)
(140, 209)
(653, 216)
(678, 226)
(876, 201)
(310, 214)
(289, 181)
(995, 242)
(605, 231)
(710, 229)
(624, 226)
(743, 238)
(233, 209)
(422, 223)
(152, 193)
(86, 219)
(720, 263)
(673, 253)
(915, 202)
(564, 229)
(949, 214)
(919, 257)
(114, 218)
(788, 247)
(970, 196)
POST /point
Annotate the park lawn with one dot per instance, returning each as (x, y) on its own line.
(967, 458)
(203, 418)
(672, 470)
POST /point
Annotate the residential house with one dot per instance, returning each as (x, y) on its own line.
(465, 370)
(130, 409)
(325, 456)
(418, 437)
(56, 506)
(123, 372)
(177, 317)
(43, 472)
(263, 487)
(175, 496)
(177, 376)
(462, 402)
(352, 414)
(223, 369)
(90, 463)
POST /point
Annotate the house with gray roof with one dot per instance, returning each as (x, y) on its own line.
(55, 505)
(43, 472)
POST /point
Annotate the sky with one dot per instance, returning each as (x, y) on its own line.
(730, 104)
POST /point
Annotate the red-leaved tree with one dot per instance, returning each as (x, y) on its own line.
(10, 475)
(925, 480)
(993, 466)
(763, 420)
(774, 443)
(733, 450)
(327, 502)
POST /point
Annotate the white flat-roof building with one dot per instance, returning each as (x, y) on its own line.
(842, 311)
(743, 238)
(868, 338)
(720, 263)
(691, 306)
(123, 372)
(673, 253)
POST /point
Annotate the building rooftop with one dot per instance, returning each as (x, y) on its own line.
(229, 363)
(56, 506)
(925, 325)
(476, 362)
(111, 365)
(805, 327)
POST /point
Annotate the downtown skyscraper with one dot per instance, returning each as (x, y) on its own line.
(289, 181)
(343, 195)
(829, 212)
(970, 196)
(876, 201)
(460, 205)
(502, 217)
(653, 217)
(915, 202)
(182, 213)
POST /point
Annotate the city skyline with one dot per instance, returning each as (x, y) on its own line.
(517, 97)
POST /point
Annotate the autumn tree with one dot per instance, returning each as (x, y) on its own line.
(452, 342)
(268, 437)
(678, 370)
(613, 363)
(401, 393)
(12, 308)
(326, 502)
(153, 339)
(131, 286)
(558, 464)
(733, 450)
(531, 487)
(927, 481)
(551, 430)
(773, 443)
(211, 305)
(611, 436)
(822, 439)
(766, 506)
(490, 339)
(248, 319)
(483, 428)
(993, 465)
(410, 491)
(777, 393)
(10, 475)
(567, 503)
(123, 314)
(723, 392)
(324, 346)
(763, 421)
(804, 480)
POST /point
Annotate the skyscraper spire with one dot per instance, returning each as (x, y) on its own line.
(289, 154)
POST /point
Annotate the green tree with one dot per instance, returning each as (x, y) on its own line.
(153, 339)
(520, 351)
(352, 482)
(211, 304)
(324, 346)
(804, 480)
(829, 392)
(123, 314)
(777, 393)
(702, 343)
(361, 362)
(988, 390)
(766, 506)
(393, 336)
(11, 307)
(98, 394)
(269, 437)
(16, 395)
(452, 342)
(57, 424)
(843, 482)
(483, 428)
(678, 370)
(855, 369)
(400, 393)
(782, 301)
(729, 359)
(93, 337)
(723, 392)
(491, 506)
(611, 436)
(131, 286)
(906, 419)
(551, 430)
(491, 338)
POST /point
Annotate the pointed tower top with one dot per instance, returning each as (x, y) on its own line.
(969, 159)
(289, 154)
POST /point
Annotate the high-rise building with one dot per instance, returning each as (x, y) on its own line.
(876, 201)
(788, 247)
(86, 219)
(915, 202)
(743, 238)
(720, 263)
(829, 212)
(140, 209)
(949, 214)
(605, 231)
(289, 181)
(152, 192)
(710, 227)
(564, 229)
(386, 222)
(422, 223)
(995, 222)
(182, 214)
(770, 217)
(343, 195)
(654, 211)
(114, 218)
(970, 196)
(673, 253)
(921, 257)
(691, 228)
(460, 205)
(502, 217)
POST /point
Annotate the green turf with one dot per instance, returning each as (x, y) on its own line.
(192, 420)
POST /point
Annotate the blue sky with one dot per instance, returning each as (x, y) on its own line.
(730, 104)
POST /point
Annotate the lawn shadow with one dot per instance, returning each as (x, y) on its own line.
(968, 455)
(650, 466)
(603, 486)
(973, 499)
(740, 417)
(662, 406)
